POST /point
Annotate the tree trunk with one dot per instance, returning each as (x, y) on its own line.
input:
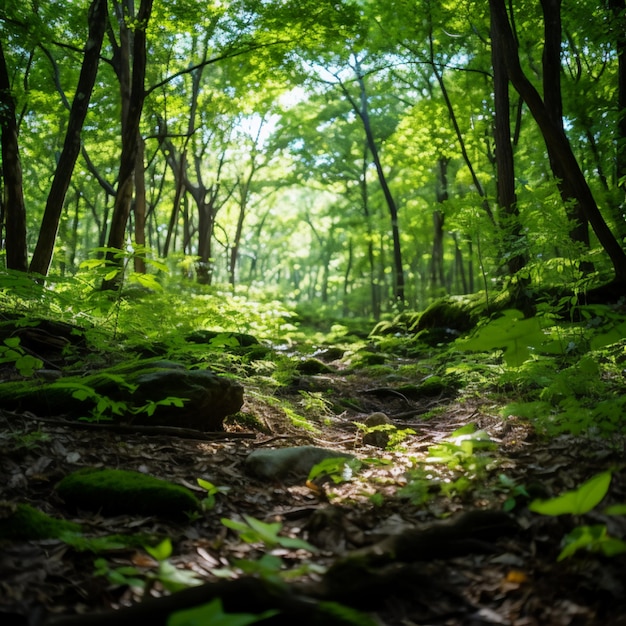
(128, 158)
(13, 202)
(618, 8)
(363, 113)
(437, 278)
(554, 105)
(140, 206)
(505, 167)
(555, 139)
(42, 255)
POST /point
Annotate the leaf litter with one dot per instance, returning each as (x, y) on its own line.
(518, 582)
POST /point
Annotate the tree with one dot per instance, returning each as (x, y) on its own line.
(42, 255)
(130, 133)
(556, 140)
(13, 214)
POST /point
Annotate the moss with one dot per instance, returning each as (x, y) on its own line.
(459, 314)
(365, 358)
(312, 366)
(433, 386)
(120, 491)
(22, 522)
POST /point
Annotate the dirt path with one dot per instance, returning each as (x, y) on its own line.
(517, 582)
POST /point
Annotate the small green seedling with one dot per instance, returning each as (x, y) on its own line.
(211, 490)
(269, 567)
(338, 469)
(172, 578)
(578, 502)
(252, 530)
(592, 538)
(513, 491)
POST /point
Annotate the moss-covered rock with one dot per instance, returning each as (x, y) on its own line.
(456, 313)
(121, 491)
(203, 397)
(311, 367)
(22, 522)
(225, 339)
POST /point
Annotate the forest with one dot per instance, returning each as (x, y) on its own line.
(312, 312)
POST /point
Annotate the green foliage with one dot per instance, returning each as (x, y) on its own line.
(338, 469)
(212, 490)
(11, 352)
(578, 501)
(512, 490)
(268, 566)
(461, 450)
(252, 530)
(172, 578)
(418, 487)
(593, 539)
(213, 613)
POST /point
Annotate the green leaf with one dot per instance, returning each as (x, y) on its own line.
(161, 551)
(593, 538)
(207, 485)
(213, 614)
(578, 501)
(267, 532)
(175, 579)
(616, 509)
(294, 543)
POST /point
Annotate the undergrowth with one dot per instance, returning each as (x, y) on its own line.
(561, 372)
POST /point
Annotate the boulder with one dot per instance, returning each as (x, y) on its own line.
(147, 391)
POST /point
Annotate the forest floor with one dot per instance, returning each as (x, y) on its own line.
(517, 581)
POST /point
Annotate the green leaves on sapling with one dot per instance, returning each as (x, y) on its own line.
(253, 530)
(12, 352)
(338, 469)
(592, 538)
(578, 501)
(212, 491)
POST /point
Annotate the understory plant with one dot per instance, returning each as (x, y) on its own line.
(593, 538)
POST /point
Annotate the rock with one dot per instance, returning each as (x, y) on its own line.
(281, 463)
(222, 338)
(22, 522)
(132, 392)
(311, 367)
(378, 438)
(119, 491)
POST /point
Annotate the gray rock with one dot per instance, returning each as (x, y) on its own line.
(281, 463)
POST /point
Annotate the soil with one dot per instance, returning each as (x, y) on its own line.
(516, 581)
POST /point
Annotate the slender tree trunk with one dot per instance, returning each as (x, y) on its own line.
(515, 259)
(13, 201)
(556, 140)
(437, 278)
(552, 98)
(123, 198)
(204, 264)
(140, 206)
(42, 256)
(618, 8)
(363, 113)
(371, 256)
